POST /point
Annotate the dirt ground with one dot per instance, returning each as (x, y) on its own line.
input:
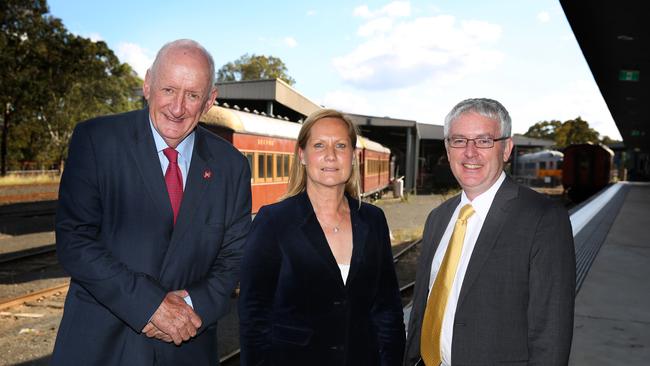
(28, 193)
(30, 340)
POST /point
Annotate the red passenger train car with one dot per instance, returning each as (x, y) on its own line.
(374, 167)
(587, 169)
(268, 144)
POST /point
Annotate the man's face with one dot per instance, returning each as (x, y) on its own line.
(178, 93)
(477, 169)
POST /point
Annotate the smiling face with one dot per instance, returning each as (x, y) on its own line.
(477, 169)
(178, 92)
(328, 154)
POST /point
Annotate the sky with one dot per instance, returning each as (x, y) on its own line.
(402, 59)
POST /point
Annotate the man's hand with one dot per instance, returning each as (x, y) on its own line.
(152, 331)
(173, 319)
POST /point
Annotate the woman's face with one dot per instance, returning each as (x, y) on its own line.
(328, 153)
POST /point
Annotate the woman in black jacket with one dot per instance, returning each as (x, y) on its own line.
(318, 285)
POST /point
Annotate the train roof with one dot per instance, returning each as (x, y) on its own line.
(371, 145)
(544, 154)
(257, 124)
(250, 123)
(590, 146)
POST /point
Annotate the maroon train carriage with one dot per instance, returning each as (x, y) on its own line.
(587, 169)
(374, 168)
(268, 144)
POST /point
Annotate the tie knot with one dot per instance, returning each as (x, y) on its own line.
(171, 154)
(465, 212)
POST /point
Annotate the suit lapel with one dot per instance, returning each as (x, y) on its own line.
(315, 235)
(359, 238)
(146, 159)
(435, 235)
(199, 177)
(494, 223)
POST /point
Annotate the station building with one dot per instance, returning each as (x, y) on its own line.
(417, 149)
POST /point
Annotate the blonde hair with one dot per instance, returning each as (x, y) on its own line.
(298, 174)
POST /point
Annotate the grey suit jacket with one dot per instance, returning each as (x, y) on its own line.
(516, 301)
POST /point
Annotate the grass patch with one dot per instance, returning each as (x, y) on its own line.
(20, 179)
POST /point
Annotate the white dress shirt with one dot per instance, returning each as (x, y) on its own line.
(345, 270)
(481, 206)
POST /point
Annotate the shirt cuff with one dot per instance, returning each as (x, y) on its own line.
(188, 300)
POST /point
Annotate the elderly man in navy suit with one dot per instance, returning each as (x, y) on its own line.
(495, 282)
(153, 214)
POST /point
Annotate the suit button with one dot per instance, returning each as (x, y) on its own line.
(336, 348)
(339, 302)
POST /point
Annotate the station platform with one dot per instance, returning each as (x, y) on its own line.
(612, 311)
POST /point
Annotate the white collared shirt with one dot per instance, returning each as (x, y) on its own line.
(481, 206)
(184, 149)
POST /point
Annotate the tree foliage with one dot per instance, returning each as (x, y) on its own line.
(543, 130)
(573, 131)
(51, 80)
(255, 67)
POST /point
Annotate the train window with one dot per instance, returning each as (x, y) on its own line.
(286, 165)
(251, 161)
(279, 167)
(261, 166)
(269, 166)
(542, 165)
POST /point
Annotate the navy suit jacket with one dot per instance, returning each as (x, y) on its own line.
(294, 308)
(115, 237)
(516, 302)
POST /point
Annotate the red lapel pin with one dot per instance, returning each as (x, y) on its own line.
(207, 174)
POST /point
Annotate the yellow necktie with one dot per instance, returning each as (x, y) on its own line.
(432, 323)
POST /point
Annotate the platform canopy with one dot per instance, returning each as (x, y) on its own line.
(615, 39)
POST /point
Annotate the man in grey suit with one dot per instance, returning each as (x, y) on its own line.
(507, 295)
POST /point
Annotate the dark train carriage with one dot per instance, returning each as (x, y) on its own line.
(587, 169)
(268, 144)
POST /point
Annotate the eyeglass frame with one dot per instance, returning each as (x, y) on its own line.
(467, 140)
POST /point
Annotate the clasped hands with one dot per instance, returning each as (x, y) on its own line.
(174, 320)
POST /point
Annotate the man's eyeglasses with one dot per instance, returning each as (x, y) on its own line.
(480, 142)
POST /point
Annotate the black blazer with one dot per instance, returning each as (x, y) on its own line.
(294, 308)
(516, 302)
(116, 239)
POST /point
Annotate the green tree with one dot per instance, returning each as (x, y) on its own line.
(96, 84)
(255, 67)
(606, 140)
(25, 32)
(51, 80)
(575, 131)
(543, 130)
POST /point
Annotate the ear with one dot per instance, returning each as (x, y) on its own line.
(301, 154)
(507, 149)
(211, 98)
(146, 86)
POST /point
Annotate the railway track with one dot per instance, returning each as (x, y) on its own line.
(24, 265)
(16, 301)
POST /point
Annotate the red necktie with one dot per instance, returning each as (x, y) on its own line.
(174, 180)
